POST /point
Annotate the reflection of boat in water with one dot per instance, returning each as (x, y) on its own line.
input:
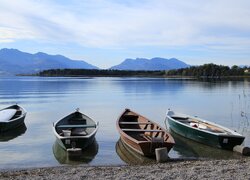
(129, 156)
(187, 148)
(13, 133)
(86, 156)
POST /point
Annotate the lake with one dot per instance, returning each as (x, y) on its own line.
(48, 99)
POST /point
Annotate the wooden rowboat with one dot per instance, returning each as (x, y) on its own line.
(75, 132)
(141, 134)
(11, 117)
(203, 131)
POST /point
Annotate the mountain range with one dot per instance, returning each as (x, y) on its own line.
(150, 64)
(13, 61)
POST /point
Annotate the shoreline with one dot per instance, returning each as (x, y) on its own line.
(210, 79)
(187, 169)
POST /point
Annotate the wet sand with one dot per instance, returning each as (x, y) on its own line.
(201, 169)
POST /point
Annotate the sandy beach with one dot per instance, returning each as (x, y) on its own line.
(201, 169)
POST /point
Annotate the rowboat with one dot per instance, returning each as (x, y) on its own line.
(203, 131)
(11, 117)
(141, 134)
(75, 132)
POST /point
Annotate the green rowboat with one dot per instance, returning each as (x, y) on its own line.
(202, 131)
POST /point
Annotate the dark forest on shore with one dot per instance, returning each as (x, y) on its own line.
(203, 71)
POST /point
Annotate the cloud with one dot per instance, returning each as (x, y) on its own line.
(12, 34)
(122, 24)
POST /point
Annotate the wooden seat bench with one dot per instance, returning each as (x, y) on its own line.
(143, 130)
(135, 123)
(76, 126)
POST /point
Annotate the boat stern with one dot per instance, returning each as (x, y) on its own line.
(228, 142)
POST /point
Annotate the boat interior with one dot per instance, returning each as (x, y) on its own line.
(17, 114)
(199, 124)
(141, 129)
(10, 114)
(75, 125)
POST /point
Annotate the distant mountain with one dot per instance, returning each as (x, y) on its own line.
(243, 66)
(150, 64)
(13, 61)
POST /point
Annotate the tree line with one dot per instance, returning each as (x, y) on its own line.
(98, 72)
(203, 71)
(210, 71)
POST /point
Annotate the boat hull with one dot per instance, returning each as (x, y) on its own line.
(145, 148)
(12, 124)
(5, 126)
(76, 142)
(214, 140)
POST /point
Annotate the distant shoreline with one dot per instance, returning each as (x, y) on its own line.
(144, 76)
(206, 71)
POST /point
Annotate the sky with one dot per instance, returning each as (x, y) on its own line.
(105, 32)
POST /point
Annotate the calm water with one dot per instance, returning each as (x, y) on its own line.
(49, 99)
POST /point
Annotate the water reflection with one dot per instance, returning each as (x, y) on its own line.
(85, 157)
(149, 85)
(173, 86)
(190, 149)
(30, 88)
(13, 133)
(129, 156)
